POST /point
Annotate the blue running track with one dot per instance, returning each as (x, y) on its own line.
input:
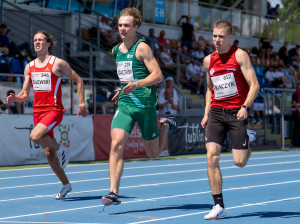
(171, 191)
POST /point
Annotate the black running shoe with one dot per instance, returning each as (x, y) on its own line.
(169, 120)
(111, 199)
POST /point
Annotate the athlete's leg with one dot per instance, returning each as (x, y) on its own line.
(40, 137)
(54, 163)
(154, 147)
(213, 168)
(241, 156)
(119, 139)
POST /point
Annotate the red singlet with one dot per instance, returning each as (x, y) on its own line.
(230, 87)
(46, 87)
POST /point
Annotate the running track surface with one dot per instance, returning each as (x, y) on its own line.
(267, 190)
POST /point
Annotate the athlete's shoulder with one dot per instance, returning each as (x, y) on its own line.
(241, 55)
(206, 61)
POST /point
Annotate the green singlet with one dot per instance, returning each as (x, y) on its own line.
(140, 105)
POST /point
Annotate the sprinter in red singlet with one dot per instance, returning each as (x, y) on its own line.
(44, 75)
(231, 89)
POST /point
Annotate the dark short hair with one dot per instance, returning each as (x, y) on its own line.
(3, 26)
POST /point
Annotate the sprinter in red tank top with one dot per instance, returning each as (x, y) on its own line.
(44, 74)
(231, 89)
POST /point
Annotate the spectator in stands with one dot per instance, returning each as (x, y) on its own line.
(13, 49)
(294, 58)
(167, 105)
(188, 36)
(198, 53)
(16, 107)
(207, 50)
(236, 43)
(201, 41)
(3, 107)
(295, 106)
(107, 34)
(283, 55)
(273, 12)
(166, 59)
(161, 38)
(195, 76)
(279, 78)
(269, 75)
(152, 40)
(4, 41)
(169, 84)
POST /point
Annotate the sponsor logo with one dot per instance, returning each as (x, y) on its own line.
(211, 71)
(245, 143)
(64, 130)
(153, 135)
(129, 56)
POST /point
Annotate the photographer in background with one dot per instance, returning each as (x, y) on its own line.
(188, 35)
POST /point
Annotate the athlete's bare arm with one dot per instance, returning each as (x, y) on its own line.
(144, 54)
(24, 94)
(250, 76)
(61, 68)
(206, 63)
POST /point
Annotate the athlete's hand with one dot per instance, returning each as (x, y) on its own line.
(11, 98)
(204, 121)
(130, 87)
(115, 99)
(242, 114)
(82, 111)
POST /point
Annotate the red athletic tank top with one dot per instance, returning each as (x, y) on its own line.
(46, 87)
(230, 88)
(293, 108)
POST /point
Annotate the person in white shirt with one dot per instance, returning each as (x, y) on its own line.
(195, 75)
(166, 104)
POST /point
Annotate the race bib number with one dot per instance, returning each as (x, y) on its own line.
(41, 81)
(224, 85)
(124, 70)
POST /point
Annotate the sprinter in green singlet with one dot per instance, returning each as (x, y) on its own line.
(138, 72)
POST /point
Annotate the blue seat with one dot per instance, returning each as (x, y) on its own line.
(25, 61)
(15, 66)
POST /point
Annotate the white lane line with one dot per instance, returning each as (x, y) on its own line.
(144, 167)
(198, 157)
(155, 184)
(31, 222)
(151, 174)
(151, 199)
(234, 207)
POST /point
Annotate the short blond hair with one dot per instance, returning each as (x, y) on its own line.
(224, 24)
(136, 14)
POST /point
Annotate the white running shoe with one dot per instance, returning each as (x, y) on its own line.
(64, 191)
(251, 134)
(63, 156)
(216, 213)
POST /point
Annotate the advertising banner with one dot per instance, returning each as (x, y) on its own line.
(16, 147)
(188, 137)
(160, 11)
(102, 140)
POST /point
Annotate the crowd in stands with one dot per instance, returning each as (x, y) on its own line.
(274, 69)
(13, 57)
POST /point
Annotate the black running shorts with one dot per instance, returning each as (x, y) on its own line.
(220, 121)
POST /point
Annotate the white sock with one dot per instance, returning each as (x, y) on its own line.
(60, 149)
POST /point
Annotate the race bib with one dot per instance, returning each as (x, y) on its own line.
(41, 81)
(124, 70)
(224, 85)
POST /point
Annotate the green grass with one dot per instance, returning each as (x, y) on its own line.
(130, 160)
